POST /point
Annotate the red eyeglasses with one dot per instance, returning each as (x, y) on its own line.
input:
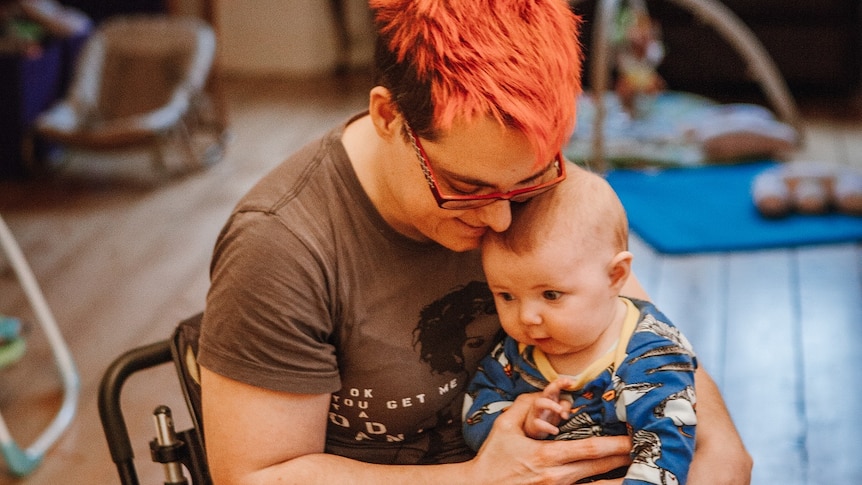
(555, 174)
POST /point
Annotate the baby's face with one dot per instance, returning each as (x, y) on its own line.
(554, 298)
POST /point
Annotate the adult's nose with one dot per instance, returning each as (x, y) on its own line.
(496, 215)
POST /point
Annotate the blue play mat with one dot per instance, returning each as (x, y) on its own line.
(710, 209)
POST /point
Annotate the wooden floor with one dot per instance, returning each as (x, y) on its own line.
(121, 257)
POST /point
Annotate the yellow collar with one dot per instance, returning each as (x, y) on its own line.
(614, 356)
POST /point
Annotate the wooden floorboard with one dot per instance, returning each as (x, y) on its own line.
(831, 335)
(122, 256)
(762, 380)
(779, 331)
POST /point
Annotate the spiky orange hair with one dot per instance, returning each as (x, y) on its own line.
(516, 60)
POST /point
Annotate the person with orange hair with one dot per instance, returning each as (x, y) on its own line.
(348, 309)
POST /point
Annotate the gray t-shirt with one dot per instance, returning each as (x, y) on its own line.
(312, 292)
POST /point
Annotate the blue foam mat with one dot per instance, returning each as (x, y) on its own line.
(710, 209)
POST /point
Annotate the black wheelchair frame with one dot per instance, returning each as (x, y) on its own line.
(175, 450)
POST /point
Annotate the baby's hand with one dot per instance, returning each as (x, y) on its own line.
(547, 410)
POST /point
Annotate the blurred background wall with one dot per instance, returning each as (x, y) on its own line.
(289, 37)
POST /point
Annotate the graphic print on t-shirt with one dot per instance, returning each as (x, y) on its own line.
(441, 335)
(449, 338)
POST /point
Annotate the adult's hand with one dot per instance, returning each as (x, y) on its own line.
(509, 456)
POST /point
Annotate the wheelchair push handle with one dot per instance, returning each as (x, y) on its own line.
(166, 448)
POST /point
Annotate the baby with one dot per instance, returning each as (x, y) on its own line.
(603, 364)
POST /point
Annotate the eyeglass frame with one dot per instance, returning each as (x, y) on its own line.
(484, 199)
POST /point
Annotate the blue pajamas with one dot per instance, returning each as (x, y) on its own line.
(647, 391)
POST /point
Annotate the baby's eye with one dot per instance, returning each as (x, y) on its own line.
(551, 295)
(505, 296)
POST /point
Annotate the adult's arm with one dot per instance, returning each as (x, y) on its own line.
(720, 457)
(257, 436)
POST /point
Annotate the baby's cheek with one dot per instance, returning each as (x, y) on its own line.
(510, 321)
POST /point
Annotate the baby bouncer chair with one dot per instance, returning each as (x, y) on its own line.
(22, 460)
(712, 13)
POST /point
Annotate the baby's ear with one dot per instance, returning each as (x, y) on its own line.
(620, 268)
